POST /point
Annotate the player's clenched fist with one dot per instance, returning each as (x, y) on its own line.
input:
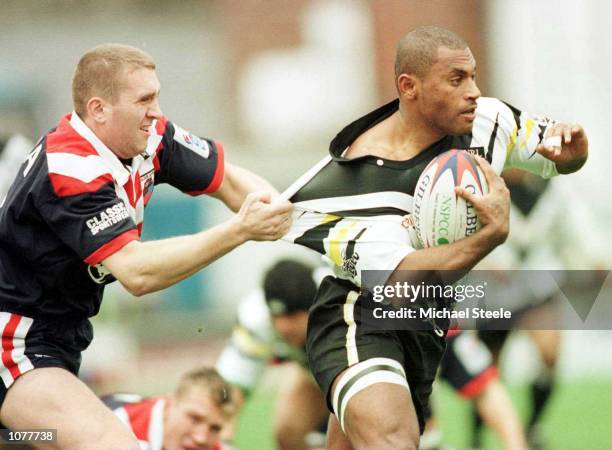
(262, 220)
(493, 208)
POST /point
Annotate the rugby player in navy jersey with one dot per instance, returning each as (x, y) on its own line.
(71, 223)
(378, 382)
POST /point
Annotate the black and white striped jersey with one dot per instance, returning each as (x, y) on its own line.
(352, 210)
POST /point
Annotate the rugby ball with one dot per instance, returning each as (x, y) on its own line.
(439, 215)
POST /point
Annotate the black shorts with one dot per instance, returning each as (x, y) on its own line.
(467, 364)
(36, 343)
(336, 341)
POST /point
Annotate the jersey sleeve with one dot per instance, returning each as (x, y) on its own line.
(190, 163)
(512, 136)
(243, 359)
(250, 348)
(85, 213)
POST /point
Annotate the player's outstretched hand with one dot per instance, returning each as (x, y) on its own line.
(261, 219)
(493, 208)
(566, 145)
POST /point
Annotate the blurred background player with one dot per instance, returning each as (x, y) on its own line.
(13, 151)
(191, 418)
(467, 365)
(533, 213)
(271, 328)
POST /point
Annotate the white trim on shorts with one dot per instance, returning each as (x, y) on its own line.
(352, 355)
(13, 360)
(364, 374)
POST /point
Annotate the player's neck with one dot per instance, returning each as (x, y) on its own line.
(396, 138)
(411, 127)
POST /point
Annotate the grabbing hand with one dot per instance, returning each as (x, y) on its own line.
(262, 220)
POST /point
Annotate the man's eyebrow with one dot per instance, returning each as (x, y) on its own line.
(462, 72)
(148, 96)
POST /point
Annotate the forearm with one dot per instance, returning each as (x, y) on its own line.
(239, 183)
(460, 255)
(150, 266)
(496, 410)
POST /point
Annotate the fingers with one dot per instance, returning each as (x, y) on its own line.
(281, 207)
(466, 195)
(548, 153)
(577, 131)
(567, 134)
(265, 220)
(492, 178)
(561, 134)
(261, 196)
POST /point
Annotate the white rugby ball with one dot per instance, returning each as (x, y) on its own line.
(440, 216)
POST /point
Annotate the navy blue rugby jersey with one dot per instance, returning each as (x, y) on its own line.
(74, 203)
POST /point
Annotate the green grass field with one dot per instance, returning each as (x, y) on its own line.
(579, 417)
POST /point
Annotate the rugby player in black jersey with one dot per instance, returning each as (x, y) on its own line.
(378, 382)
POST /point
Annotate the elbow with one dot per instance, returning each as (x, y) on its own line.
(137, 285)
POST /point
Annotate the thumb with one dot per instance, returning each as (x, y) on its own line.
(261, 196)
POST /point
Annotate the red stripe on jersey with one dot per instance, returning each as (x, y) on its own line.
(139, 415)
(161, 125)
(137, 188)
(65, 186)
(219, 173)
(477, 385)
(111, 247)
(8, 345)
(64, 139)
(129, 190)
(453, 331)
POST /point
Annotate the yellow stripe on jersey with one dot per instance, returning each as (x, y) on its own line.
(337, 237)
(529, 124)
(327, 218)
(512, 142)
(249, 345)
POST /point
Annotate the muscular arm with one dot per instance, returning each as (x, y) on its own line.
(492, 210)
(144, 267)
(237, 184)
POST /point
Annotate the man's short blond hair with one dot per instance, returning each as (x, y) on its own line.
(100, 70)
(216, 387)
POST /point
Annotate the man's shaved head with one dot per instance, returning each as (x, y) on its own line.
(417, 51)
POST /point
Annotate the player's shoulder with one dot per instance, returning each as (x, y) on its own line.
(73, 164)
(492, 107)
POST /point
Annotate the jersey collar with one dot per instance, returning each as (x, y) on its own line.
(120, 173)
(355, 129)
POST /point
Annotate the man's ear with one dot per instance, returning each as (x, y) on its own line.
(407, 86)
(97, 109)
